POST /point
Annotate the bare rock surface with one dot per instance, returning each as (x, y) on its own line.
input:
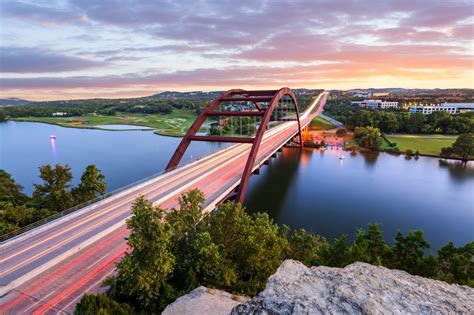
(204, 301)
(359, 288)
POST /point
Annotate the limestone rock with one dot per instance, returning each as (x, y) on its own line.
(204, 301)
(359, 288)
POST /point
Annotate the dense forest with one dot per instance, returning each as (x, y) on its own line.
(53, 195)
(237, 252)
(101, 107)
(397, 120)
(161, 104)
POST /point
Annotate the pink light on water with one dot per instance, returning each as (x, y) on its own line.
(52, 139)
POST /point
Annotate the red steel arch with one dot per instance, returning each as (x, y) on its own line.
(256, 97)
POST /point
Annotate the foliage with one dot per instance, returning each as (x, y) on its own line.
(408, 252)
(368, 137)
(455, 264)
(142, 275)
(52, 196)
(54, 193)
(14, 216)
(101, 304)
(10, 191)
(92, 184)
(463, 147)
(369, 246)
(234, 251)
(396, 120)
(3, 115)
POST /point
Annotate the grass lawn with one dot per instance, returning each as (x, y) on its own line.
(424, 144)
(319, 123)
(174, 124)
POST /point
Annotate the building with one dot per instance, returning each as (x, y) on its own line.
(375, 104)
(452, 108)
(59, 114)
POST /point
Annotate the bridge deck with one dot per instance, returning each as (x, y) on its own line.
(84, 248)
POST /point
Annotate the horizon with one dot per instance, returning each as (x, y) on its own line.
(218, 91)
(65, 50)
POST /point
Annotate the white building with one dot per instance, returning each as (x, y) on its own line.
(452, 108)
(375, 104)
(59, 114)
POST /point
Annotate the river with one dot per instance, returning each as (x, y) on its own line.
(309, 189)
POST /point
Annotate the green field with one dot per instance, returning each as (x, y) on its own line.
(425, 144)
(174, 124)
(319, 123)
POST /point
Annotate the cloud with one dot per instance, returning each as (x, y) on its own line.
(39, 13)
(35, 60)
(248, 42)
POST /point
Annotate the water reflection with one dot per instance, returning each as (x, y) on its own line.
(370, 158)
(458, 171)
(318, 191)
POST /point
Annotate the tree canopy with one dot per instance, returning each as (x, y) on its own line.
(175, 251)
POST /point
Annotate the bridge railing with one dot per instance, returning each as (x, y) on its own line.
(5, 237)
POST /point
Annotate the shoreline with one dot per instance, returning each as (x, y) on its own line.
(155, 131)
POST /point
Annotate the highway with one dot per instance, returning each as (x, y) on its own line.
(49, 269)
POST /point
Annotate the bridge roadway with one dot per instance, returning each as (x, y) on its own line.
(48, 270)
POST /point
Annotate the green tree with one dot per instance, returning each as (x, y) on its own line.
(337, 254)
(408, 252)
(54, 193)
(92, 184)
(306, 247)
(206, 264)
(462, 147)
(255, 245)
(369, 246)
(416, 122)
(389, 122)
(368, 137)
(101, 304)
(455, 264)
(142, 275)
(14, 216)
(10, 191)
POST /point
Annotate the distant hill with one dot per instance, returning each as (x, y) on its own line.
(13, 102)
(193, 94)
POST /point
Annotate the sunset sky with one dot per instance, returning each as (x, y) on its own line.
(53, 49)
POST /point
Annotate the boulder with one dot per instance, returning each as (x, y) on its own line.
(359, 288)
(204, 301)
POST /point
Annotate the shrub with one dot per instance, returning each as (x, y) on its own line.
(101, 304)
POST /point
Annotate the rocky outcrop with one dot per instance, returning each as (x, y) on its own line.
(359, 288)
(204, 301)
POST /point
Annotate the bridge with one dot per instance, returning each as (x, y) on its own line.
(49, 268)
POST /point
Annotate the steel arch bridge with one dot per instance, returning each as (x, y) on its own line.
(256, 97)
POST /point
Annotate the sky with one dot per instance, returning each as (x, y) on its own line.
(66, 49)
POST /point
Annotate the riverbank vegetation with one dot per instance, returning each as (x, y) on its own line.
(397, 120)
(462, 148)
(53, 195)
(175, 251)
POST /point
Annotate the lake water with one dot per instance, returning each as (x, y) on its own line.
(309, 189)
(123, 156)
(123, 127)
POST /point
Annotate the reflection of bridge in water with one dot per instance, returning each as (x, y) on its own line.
(48, 269)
